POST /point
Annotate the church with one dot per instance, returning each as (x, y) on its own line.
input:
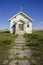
(21, 23)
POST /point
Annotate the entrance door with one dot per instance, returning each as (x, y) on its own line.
(21, 27)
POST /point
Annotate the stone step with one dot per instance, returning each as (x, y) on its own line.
(20, 38)
(20, 42)
(17, 62)
(19, 45)
(20, 53)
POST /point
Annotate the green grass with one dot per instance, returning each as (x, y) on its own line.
(35, 41)
(6, 43)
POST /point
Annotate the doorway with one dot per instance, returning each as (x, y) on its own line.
(21, 26)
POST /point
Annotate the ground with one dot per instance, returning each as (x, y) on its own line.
(24, 49)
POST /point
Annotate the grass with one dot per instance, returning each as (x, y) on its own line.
(6, 43)
(35, 41)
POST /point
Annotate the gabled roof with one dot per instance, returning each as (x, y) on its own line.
(22, 13)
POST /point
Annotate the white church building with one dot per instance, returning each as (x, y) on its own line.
(20, 23)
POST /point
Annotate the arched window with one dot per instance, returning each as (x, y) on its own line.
(27, 25)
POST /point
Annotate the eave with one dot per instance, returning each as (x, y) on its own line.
(22, 14)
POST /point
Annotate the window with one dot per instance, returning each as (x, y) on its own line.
(27, 25)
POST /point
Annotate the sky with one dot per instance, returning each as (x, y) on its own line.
(33, 8)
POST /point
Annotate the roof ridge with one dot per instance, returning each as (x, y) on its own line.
(22, 13)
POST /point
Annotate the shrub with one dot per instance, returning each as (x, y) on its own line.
(40, 40)
(32, 39)
(34, 43)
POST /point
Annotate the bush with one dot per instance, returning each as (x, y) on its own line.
(33, 43)
(6, 42)
(5, 39)
(32, 39)
(40, 40)
(31, 36)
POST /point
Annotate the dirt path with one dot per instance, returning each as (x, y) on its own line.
(20, 54)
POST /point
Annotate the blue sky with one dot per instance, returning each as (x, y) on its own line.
(33, 8)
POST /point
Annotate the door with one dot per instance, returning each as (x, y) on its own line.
(21, 27)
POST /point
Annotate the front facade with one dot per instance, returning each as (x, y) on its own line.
(20, 24)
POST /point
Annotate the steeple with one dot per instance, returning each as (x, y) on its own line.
(20, 8)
